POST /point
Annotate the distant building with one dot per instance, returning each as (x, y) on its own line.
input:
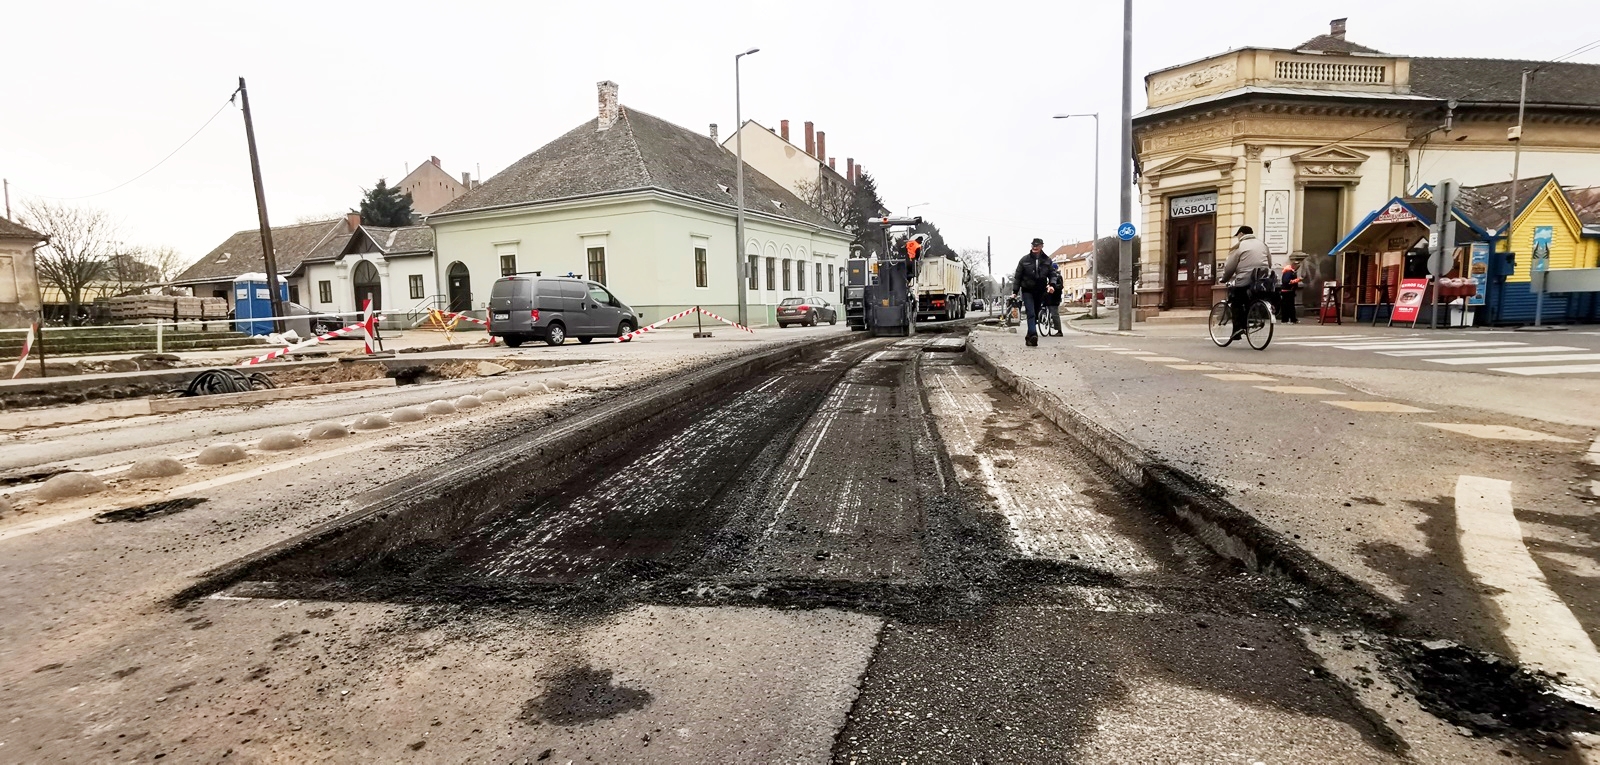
(1301, 143)
(432, 188)
(645, 208)
(800, 170)
(1074, 262)
(20, 303)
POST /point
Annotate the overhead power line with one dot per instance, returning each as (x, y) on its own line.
(152, 168)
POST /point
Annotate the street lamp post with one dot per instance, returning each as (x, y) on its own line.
(1094, 251)
(1125, 246)
(915, 206)
(740, 279)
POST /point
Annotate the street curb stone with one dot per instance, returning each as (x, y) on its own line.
(1225, 528)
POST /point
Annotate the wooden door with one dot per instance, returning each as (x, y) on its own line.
(1191, 261)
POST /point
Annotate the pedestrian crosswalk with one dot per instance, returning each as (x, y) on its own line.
(1506, 356)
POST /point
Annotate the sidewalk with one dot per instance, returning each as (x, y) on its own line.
(1368, 487)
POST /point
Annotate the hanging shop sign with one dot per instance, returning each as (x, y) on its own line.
(1396, 213)
(1192, 205)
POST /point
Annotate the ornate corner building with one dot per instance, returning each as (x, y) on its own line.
(1300, 144)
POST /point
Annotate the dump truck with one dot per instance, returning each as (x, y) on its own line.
(941, 289)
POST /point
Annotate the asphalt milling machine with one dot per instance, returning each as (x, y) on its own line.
(880, 292)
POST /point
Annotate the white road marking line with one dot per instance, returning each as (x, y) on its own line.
(1374, 341)
(1387, 407)
(1476, 351)
(1518, 359)
(1497, 432)
(1405, 345)
(1539, 626)
(1232, 377)
(1299, 390)
(1162, 359)
(1559, 369)
(1194, 367)
(1134, 353)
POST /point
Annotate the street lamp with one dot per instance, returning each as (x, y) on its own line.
(915, 206)
(1125, 246)
(1094, 251)
(740, 278)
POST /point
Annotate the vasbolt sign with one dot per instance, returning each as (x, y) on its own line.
(1192, 205)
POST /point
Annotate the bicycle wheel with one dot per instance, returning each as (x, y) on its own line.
(1221, 324)
(1258, 325)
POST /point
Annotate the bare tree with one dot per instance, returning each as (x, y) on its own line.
(81, 243)
(834, 201)
(165, 261)
(134, 270)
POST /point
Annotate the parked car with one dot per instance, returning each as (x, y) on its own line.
(552, 309)
(809, 311)
(977, 304)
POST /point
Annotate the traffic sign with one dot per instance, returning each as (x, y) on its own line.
(1125, 232)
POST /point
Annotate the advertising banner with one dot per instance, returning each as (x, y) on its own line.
(1479, 270)
(1408, 304)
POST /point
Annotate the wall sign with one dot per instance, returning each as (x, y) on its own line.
(1275, 221)
(1396, 213)
(1192, 205)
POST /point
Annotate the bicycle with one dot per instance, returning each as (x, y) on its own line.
(1257, 324)
(1049, 321)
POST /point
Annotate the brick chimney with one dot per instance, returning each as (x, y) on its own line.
(783, 127)
(610, 110)
(1336, 28)
(466, 180)
(831, 165)
(713, 132)
(850, 169)
(434, 160)
(352, 221)
(811, 139)
(822, 145)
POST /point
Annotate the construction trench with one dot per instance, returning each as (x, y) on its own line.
(894, 479)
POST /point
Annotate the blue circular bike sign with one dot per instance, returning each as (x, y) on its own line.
(1125, 232)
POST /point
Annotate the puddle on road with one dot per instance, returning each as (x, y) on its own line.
(583, 694)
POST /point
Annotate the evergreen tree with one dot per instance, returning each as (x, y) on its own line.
(866, 204)
(384, 206)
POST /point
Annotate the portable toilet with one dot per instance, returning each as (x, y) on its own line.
(252, 303)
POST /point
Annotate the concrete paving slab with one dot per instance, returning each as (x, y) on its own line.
(1239, 377)
(1499, 432)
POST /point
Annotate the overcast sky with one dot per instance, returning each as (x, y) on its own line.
(947, 103)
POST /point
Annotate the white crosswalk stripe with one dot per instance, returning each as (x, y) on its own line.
(1505, 356)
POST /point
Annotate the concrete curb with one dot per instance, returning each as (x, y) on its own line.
(1220, 525)
(1075, 324)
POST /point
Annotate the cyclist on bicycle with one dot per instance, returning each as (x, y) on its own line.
(1239, 273)
(1032, 283)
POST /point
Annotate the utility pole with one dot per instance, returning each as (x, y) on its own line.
(738, 221)
(988, 246)
(269, 257)
(1125, 246)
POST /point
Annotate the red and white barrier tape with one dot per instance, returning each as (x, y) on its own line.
(461, 316)
(27, 345)
(305, 344)
(649, 327)
(734, 324)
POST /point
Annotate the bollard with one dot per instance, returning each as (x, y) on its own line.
(39, 346)
(158, 334)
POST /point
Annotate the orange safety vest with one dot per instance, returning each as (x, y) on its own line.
(912, 246)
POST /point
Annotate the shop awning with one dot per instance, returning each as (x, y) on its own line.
(1394, 227)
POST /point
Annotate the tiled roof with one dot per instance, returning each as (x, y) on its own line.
(1489, 205)
(1586, 203)
(1331, 44)
(241, 253)
(637, 152)
(404, 239)
(13, 230)
(1074, 251)
(1488, 80)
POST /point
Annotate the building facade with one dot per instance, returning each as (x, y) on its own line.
(20, 302)
(431, 187)
(646, 208)
(1301, 143)
(1073, 259)
(808, 173)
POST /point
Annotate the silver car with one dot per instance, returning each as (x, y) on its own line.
(552, 309)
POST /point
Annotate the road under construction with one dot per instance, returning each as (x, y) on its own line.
(853, 549)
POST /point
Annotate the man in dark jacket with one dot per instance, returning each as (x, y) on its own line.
(1032, 282)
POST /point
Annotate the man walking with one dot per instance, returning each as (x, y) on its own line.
(1032, 280)
(1239, 273)
(1286, 291)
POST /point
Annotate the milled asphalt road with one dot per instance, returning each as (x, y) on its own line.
(871, 554)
